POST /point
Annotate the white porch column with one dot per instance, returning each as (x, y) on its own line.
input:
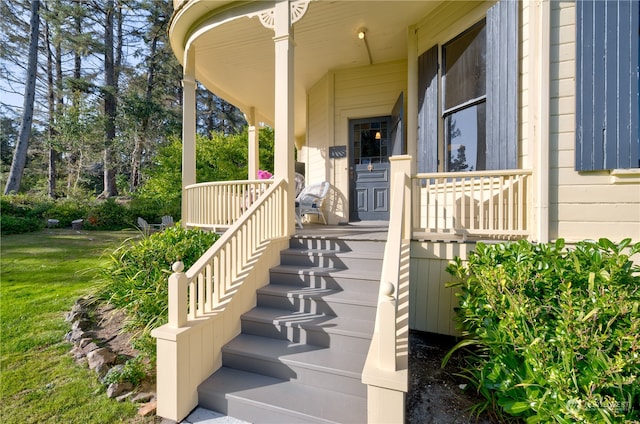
(188, 127)
(284, 129)
(254, 150)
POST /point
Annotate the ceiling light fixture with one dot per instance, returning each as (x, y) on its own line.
(362, 35)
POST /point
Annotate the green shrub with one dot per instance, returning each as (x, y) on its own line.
(554, 333)
(10, 224)
(68, 210)
(108, 215)
(22, 213)
(133, 371)
(137, 277)
(153, 209)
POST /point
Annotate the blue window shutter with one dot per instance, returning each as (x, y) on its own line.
(397, 142)
(428, 111)
(607, 110)
(502, 86)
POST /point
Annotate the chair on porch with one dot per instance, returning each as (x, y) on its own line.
(309, 201)
(299, 179)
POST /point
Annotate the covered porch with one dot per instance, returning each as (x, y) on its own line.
(352, 73)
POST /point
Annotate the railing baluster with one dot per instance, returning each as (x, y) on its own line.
(208, 305)
(216, 280)
(200, 294)
(192, 299)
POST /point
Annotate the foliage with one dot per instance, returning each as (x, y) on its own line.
(11, 224)
(219, 158)
(137, 273)
(23, 213)
(133, 371)
(152, 208)
(108, 215)
(142, 90)
(68, 210)
(556, 331)
(42, 275)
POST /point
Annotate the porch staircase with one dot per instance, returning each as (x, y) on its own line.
(301, 351)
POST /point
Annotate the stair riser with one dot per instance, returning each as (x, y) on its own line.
(340, 245)
(249, 411)
(315, 337)
(323, 281)
(332, 261)
(258, 413)
(296, 304)
(289, 371)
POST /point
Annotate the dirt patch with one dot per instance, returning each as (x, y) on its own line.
(435, 393)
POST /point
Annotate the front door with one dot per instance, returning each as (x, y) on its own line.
(369, 168)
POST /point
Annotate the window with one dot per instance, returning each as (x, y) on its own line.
(607, 109)
(370, 142)
(464, 98)
(477, 109)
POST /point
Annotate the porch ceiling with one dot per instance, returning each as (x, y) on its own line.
(235, 54)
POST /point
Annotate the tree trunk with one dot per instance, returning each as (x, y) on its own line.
(51, 103)
(110, 188)
(22, 145)
(74, 163)
(136, 155)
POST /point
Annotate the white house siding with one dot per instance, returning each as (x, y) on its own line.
(317, 132)
(431, 306)
(586, 205)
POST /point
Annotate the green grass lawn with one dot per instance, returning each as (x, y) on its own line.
(41, 275)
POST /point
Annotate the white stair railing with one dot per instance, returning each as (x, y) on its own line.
(386, 367)
(206, 301)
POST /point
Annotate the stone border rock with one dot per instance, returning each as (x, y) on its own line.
(90, 350)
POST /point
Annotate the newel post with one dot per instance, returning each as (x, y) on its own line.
(401, 164)
(177, 296)
(177, 394)
(387, 310)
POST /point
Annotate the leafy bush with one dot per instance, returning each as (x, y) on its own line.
(554, 332)
(133, 371)
(137, 277)
(22, 213)
(17, 225)
(68, 210)
(153, 208)
(108, 215)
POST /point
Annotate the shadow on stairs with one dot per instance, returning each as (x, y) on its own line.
(301, 351)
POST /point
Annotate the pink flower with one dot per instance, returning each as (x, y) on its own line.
(264, 175)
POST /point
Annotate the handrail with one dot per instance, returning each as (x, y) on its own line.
(210, 281)
(390, 277)
(382, 365)
(492, 203)
(219, 204)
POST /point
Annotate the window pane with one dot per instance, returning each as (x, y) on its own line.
(465, 139)
(465, 67)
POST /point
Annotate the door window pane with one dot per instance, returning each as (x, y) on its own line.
(370, 142)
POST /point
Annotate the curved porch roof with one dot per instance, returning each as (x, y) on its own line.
(234, 52)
